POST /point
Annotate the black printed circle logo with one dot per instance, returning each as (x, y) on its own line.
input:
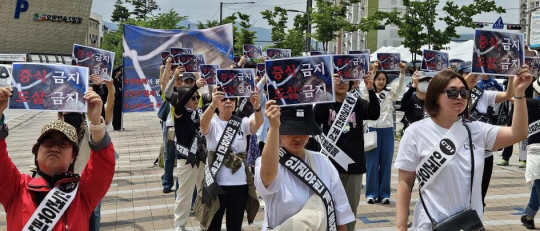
(349, 100)
(68, 187)
(447, 147)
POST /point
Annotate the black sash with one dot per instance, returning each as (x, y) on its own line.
(305, 174)
(222, 150)
(474, 114)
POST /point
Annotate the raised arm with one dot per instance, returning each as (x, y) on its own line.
(181, 103)
(109, 106)
(209, 112)
(95, 106)
(164, 73)
(8, 170)
(394, 93)
(258, 119)
(508, 94)
(170, 86)
(372, 110)
(519, 129)
(270, 153)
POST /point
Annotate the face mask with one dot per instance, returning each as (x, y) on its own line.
(423, 86)
(75, 119)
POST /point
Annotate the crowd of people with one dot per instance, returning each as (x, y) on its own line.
(233, 154)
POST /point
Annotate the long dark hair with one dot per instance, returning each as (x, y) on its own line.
(375, 77)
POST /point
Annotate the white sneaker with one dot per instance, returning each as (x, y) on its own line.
(180, 228)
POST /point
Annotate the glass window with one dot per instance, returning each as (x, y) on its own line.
(35, 58)
(52, 59)
(67, 60)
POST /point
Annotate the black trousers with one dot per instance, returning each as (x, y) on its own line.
(486, 178)
(234, 201)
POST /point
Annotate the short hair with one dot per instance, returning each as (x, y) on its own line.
(250, 64)
(437, 86)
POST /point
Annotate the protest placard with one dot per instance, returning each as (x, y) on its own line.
(253, 51)
(98, 61)
(360, 52)
(261, 70)
(302, 80)
(177, 51)
(49, 87)
(164, 56)
(351, 67)
(278, 53)
(497, 52)
(389, 61)
(236, 82)
(314, 53)
(534, 65)
(209, 73)
(191, 62)
(236, 59)
(435, 60)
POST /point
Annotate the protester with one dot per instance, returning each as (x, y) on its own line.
(532, 171)
(280, 188)
(351, 141)
(379, 160)
(54, 154)
(413, 104)
(117, 81)
(481, 109)
(450, 186)
(168, 126)
(188, 137)
(228, 188)
(486, 82)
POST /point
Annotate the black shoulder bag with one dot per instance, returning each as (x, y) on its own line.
(466, 220)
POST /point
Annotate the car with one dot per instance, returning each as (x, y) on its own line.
(5, 74)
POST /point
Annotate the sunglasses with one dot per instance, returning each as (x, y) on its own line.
(61, 143)
(195, 97)
(231, 99)
(453, 94)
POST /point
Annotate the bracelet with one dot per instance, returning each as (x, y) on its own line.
(519, 97)
(258, 109)
(97, 127)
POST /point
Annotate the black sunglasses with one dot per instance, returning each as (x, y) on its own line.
(195, 97)
(453, 94)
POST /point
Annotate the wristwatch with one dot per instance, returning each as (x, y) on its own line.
(93, 127)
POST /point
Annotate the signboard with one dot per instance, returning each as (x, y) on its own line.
(49, 87)
(534, 65)
(209, 73)
(177, 51)
(435, 60)
(236, 59)
(13, 57)
(253, 51)
(498, 53)
(99, 62)
(191, 62)
(389, 61)
(164, 56)
(498, 24)
(301, 80)
(360, 52)
(534, 30)
(351, 67)
(278, 53)
(236, 82)
(261, 70)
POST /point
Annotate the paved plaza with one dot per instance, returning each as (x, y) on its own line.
(135, 200)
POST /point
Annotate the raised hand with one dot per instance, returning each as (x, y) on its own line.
(217, 96)
(5, 93)
(273, 113)
(95, 106)
(201, 82)
(254, 98)
(96, 80)
(522, 81)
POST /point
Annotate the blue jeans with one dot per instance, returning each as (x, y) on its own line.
(534, 202)
(167, 180)
(379, 164)
(95, 218)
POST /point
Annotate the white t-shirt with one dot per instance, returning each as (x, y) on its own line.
(287, 194)
(225, 177)
(487, 100)
(449, 193)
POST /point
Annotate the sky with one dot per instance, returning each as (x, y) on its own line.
(209, 9)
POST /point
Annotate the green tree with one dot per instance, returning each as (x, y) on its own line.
(114, 41)
(246, 35)
(295, 40)
(329, 20)
(277, 19)
(208, 24)
(417, 25)
(120, 13)
(143, 8)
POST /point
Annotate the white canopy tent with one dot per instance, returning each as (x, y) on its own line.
(456, 50)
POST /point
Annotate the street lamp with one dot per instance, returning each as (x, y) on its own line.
(221, 4)
(308, 28)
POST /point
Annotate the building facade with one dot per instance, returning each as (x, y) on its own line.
(43, 26)
(525, 7)
(96, 30)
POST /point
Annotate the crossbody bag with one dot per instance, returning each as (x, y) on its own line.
(466, 220)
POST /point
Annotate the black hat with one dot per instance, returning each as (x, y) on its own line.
(298, 121)
(189, 75)
(464, 67)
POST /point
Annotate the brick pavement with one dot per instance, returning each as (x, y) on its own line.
(135, 200)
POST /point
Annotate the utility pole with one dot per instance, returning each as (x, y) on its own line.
(308, 29)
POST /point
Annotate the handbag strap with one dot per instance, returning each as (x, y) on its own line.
(472, 176)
